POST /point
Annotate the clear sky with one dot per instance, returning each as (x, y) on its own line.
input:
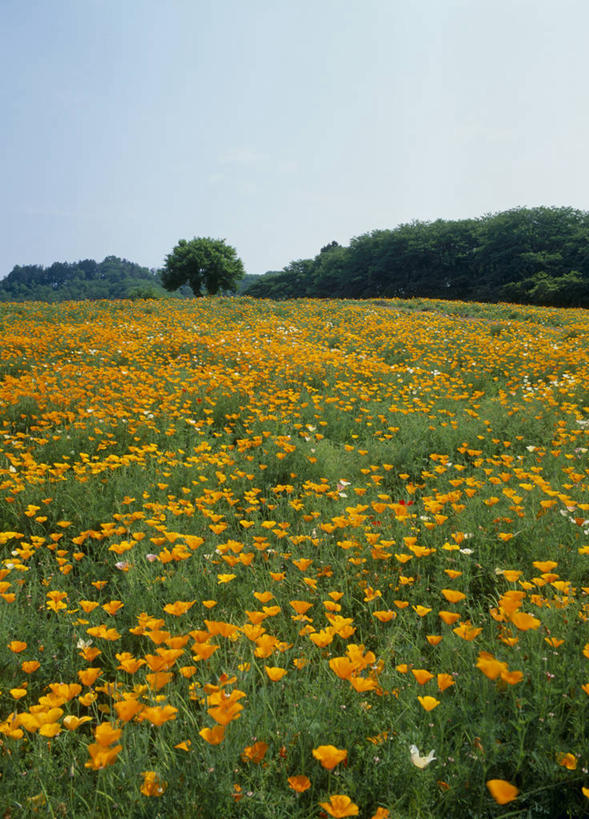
(280, 125)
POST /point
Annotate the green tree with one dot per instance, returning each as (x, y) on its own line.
(207, 265)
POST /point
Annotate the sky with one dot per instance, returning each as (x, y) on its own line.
(280, 125)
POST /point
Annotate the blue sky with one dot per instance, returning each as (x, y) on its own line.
(280, 125)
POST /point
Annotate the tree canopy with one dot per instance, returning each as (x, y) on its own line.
(207, 265)
(530, 255)
(113, 278)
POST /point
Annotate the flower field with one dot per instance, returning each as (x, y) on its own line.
(293, 559)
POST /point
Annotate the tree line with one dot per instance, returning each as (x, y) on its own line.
(528, 255)
(113, 278)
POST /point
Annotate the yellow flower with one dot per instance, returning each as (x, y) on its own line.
(71, 722)
(340, 805)
(429, 703)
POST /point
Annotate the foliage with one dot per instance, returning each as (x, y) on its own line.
(536, 255)
(113, 278)
(207, 265)
(267, 560)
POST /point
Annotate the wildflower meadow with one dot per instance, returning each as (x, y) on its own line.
(293, 559)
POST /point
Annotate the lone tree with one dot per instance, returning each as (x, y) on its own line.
(207, 265)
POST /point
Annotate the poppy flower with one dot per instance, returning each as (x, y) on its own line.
(329, 756)
(255, 753)
(339, 806)
(429, 703)
(502, 791)
(214, 735)
(299, 783)
(152, 784)
(421, 675)
(568, 761)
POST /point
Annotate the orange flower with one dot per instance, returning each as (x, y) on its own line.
(275, 673)
(449, 617)
(453, 596)
(179, 607)
(157, 715)
(88, 676)
(113, 606)
(29, 666)
(466, 631)
(544, 565)
(225, 713)
(152, 784)
(159, 679)
(214, 735)
(568, 761)
(340, 805)
(421, 610)
(445, 681)
(106, 734)
(421, 675)
(502, 791)
(299, 783)
(127, 709)
(16, 646)
(362, 684)
(255, 753)
(329, 756)
(512, 677)
(102, 756)
(343, 667)
(490, 667)
(524, 621)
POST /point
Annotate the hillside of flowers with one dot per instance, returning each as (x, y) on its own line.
(293, 559)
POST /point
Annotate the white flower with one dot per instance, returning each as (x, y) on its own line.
(418, 760)
(83, 643)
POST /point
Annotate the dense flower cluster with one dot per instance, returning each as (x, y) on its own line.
(311, 534)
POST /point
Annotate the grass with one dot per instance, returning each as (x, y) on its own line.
(386, 500)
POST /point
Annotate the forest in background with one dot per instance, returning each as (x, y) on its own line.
(526, 255)
(113, 278)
